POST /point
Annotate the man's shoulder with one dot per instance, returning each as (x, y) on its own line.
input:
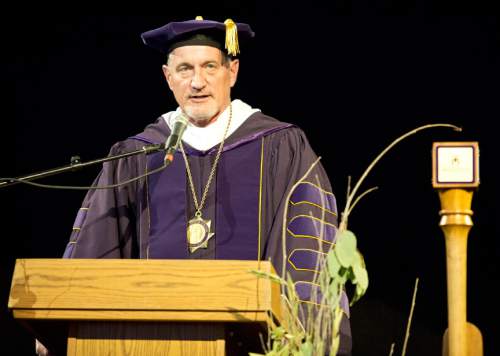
(274, 127)
(154, 133)
(283, 136)
(255, 127)
(266, 120)
(267, 125)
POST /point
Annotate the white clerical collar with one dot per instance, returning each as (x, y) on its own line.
(204, 138)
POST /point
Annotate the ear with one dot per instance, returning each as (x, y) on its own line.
(234, 66)
(167, 74)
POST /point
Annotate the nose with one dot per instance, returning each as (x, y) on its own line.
(198, 81)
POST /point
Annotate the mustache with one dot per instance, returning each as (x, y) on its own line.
(199, 95)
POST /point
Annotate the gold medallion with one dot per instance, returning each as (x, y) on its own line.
(198, 233)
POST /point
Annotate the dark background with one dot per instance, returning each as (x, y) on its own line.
(353, 75)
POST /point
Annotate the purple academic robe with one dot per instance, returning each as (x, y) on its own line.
(260, 163)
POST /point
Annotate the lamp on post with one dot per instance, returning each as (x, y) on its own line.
(455, 175)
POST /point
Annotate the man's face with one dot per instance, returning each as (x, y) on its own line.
(200, 82)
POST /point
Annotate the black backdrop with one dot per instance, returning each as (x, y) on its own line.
(354, 77)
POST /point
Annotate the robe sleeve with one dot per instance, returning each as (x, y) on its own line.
(311, 220)
(105, 224)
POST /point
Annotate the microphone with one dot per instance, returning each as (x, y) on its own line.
(174, 139)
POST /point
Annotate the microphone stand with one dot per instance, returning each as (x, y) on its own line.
(76, 164)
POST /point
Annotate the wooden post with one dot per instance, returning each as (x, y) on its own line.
(456, 222)
(455, 173)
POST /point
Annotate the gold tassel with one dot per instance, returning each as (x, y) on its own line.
(231, 38)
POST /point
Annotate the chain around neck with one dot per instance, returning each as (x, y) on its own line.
(212, 171)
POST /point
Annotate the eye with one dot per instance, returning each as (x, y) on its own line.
(211, 67)
(184, 70)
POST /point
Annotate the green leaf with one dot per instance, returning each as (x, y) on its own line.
(276, 348)
(358, 260)
(306, 349)
(345, 248)
(357, 294)
(333, 264)
(286, 350)
(361, 277)
(349, 275)
(278, 333)
(333, 290)
(342, 276)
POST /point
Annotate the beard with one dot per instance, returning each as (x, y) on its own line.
(201, 114)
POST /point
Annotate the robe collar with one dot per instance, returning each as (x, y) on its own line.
(205, 138)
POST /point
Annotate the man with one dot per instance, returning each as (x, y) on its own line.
(225, 192)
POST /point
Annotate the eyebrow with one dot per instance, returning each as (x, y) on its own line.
(183, 64)
(211, 61)
(187, 64)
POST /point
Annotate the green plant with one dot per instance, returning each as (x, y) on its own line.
(343, 263)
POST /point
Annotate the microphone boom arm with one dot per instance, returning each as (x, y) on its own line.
(76, 165)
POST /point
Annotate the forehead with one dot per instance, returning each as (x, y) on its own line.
(195, 54)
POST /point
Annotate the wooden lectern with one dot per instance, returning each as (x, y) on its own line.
(144, 307)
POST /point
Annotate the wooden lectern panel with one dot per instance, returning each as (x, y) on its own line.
(179, 290)
(146, 339)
